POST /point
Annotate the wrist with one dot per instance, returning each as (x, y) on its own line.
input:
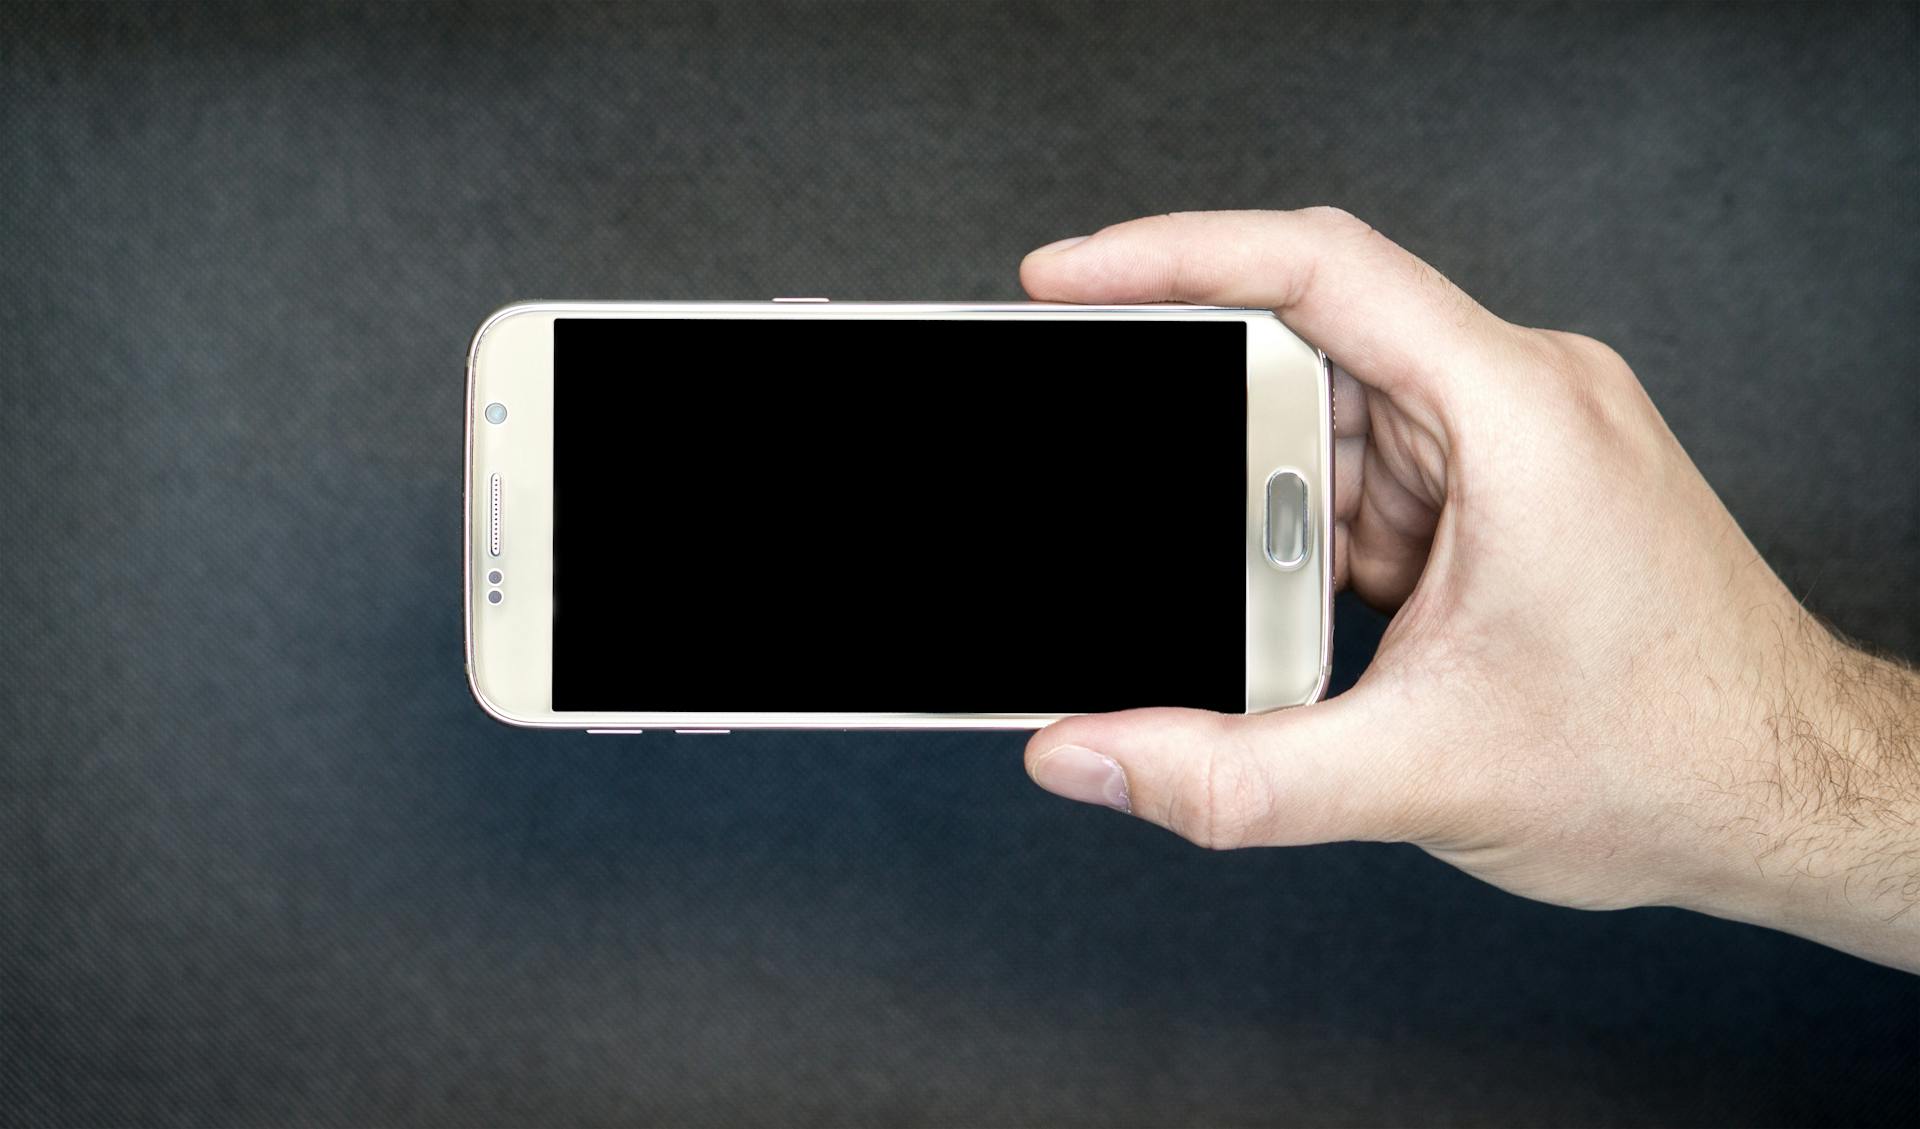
(1824, 835)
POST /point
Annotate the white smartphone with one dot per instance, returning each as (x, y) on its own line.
(811, 514)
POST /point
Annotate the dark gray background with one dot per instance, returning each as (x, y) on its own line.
(261, 859)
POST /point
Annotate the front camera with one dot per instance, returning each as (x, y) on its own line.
(496, 413)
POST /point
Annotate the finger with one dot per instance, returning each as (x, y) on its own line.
(1311, 775)
(1349, 404)
(1342, 556)
(1349, 476)
(1388, 317)
(1391, 530)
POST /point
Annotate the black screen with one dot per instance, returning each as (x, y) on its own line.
(813, 514)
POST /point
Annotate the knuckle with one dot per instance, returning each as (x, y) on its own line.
(1595, 357)
(1599, 385)
(1228, 805)
(1337, 220)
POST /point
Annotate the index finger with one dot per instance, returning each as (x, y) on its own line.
(1387, 317)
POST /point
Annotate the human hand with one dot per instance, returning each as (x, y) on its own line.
(1593, 690)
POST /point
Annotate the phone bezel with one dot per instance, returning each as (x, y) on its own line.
(1289, 407)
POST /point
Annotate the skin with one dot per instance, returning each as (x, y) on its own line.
(1593, 692)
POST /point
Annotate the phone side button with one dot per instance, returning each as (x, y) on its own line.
(702, 731)
(616, 732)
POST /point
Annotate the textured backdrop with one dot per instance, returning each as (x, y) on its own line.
(261, 858)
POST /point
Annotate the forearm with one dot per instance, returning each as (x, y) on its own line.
(1831, 827)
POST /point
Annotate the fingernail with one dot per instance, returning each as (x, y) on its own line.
(1058, 245)
(1083, 775)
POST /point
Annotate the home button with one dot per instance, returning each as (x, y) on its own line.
(1289, 524)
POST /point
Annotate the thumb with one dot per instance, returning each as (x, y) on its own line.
(1316, 774)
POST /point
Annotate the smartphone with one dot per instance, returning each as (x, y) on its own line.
(813, 514)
